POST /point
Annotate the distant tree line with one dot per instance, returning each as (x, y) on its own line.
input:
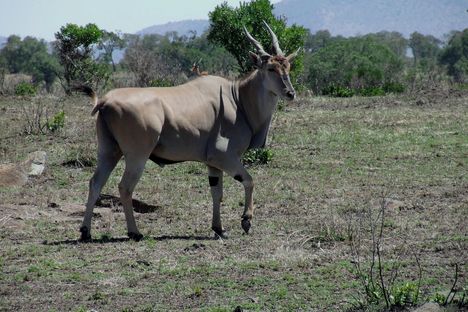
(383, 62)
(372, 64)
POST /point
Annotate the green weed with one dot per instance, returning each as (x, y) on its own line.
(25, 89)
(406, 294)
(259, 156)
(57, 122)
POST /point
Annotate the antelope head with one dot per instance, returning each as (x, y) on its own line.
(273, 68)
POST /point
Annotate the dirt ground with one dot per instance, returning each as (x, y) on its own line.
(334, 162)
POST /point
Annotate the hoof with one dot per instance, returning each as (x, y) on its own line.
(246, 225)
(220, 233)
(85, 234)
(135, 236)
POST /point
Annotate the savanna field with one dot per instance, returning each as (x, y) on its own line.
(350, 180)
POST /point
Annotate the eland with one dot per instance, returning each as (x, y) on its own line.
(209, 119)
(196, 69)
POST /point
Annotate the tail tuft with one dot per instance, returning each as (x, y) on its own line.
(89, 92)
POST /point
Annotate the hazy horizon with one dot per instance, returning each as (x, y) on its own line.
(43, 18)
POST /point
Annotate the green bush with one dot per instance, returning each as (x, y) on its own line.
(161, 82)
(258, 156)
(371, 91)
(352, 63)
(393, 87)
(25, 89)
(57, 122)
(455, 56)
(227, 30)
(341, 91)
(461, 86)
(338, 91)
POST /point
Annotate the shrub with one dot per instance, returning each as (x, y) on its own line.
(378, 276)
(455, 56)
(57, 122)
(438, 298)
(75, 47)
(371, 91)
(342, 91)
(25, 89)
(404, 295)
(338, 91)
(258, 156)
(351, 63)
(393, 87)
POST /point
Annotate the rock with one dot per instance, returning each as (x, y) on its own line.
(36, 162)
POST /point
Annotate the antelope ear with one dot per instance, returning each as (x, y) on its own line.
(256, 59)
(291, 56)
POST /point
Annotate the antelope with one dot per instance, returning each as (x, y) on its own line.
(196, 69)
(211, 120)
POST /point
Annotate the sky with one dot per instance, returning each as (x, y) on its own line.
(43, 18)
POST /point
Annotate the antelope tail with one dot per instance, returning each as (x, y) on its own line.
(90, 92)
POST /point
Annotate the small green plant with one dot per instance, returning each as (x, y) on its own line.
(451, 298)
(98, 296)
(197, 291)
(338, 91)
(378, 275)
(150, 242)
(75, 277)
(258, 156)
(281, 292)
(438, 298)
(36, 117)
(106, 237)
(33, 269)
(461, 86)
(405, 295)
(25, 89)
(57, 122)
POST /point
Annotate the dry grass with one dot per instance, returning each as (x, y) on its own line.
(333, 160)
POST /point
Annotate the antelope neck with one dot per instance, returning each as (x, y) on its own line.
(254, 100)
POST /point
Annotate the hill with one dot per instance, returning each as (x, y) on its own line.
(181, 27)
(3, 40)
(349, 18)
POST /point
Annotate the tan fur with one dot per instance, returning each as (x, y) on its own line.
(210, 120)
